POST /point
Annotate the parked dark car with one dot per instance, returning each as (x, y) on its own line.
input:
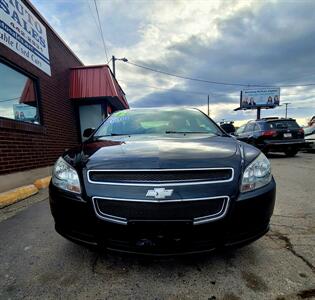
(273, 135)
(228, 127)
(162, 181)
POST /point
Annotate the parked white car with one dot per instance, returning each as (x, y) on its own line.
(309, 135)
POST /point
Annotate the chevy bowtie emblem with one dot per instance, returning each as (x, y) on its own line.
(159, 193)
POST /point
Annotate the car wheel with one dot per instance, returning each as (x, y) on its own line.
(291, 152)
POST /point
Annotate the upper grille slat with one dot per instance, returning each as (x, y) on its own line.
(160, 176)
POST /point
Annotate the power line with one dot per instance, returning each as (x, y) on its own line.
(188, 78)
(94, 19)
(217, 82)
(192, 92)
(10, 99)
(101, 30)
(164, 89)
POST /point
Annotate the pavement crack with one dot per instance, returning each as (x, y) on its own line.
(289, 247)
(293, 217)
(289, 226)
(288, 216)
(94, 263)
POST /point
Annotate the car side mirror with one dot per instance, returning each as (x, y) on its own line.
(88, 132)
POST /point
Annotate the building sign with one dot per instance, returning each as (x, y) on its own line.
(264, 97)
(21, 31)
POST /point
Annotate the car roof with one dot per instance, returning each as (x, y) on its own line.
(271, 119)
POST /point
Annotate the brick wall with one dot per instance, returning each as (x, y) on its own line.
(25, 146)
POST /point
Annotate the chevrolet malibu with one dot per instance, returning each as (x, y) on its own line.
(162, 181)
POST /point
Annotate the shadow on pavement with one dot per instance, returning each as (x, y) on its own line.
(282, 155)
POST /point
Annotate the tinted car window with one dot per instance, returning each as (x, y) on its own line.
(129, 122)
(240, 130)
(250, 127)
(281, 124)
(256, 127)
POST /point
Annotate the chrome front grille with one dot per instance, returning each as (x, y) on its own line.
(120, 196)
(161, 177)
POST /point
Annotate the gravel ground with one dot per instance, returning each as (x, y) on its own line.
(36, 263)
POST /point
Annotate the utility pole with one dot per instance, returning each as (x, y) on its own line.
(208, 105)
(286, 108)
(114, 67)
(258, 113)
(114, 63)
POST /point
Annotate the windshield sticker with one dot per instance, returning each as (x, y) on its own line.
(115, 119)
(121, 113)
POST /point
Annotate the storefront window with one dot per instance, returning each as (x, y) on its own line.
(17, 96)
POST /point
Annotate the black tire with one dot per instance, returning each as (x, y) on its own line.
(291, 152)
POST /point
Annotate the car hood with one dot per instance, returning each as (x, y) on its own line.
(150, 152)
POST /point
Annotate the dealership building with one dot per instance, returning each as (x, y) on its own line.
(47, 96)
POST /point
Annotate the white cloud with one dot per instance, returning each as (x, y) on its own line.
(149, 31)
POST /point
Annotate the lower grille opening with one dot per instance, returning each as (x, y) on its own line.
(127, 211)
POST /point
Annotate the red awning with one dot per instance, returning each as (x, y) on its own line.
(28, 94)
(94, 82)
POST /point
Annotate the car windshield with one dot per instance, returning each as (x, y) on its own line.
(283, 124)
(152, 121)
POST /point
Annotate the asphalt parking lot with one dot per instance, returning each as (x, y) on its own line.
(36, 263)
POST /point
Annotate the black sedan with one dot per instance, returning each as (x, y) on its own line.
(162, 181)
(273, 135)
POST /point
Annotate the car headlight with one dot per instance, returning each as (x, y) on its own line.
(257, 174)
(65, 177)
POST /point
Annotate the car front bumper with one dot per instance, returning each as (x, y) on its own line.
(247, 219)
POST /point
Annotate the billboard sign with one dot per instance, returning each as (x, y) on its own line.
(23, 33)
(23, 112)
(263, 97)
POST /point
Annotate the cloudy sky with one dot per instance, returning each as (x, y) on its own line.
(247, 42)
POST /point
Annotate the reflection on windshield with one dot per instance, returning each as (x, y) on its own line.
(184, 121)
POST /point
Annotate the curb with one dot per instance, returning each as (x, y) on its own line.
(23, 192)
(42, 183)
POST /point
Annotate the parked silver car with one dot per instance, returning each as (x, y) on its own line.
(309, 133)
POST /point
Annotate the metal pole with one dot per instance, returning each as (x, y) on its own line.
(208, 105)
(258, 113)
(286, 108)
(114, 67)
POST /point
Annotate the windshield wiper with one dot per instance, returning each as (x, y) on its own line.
(112, 134)
(184, 132)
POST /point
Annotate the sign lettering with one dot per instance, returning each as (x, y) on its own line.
(22, 32)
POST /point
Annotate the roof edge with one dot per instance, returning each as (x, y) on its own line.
(90, 66)
(100, 66)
